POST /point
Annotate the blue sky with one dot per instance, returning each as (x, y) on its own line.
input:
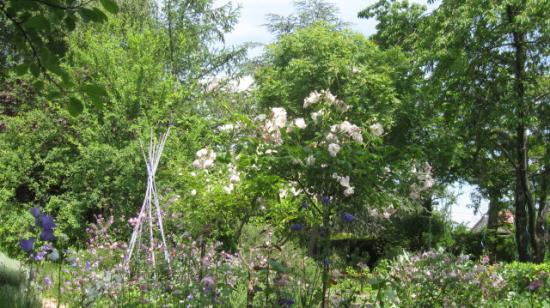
(253, 13)
(250, 29)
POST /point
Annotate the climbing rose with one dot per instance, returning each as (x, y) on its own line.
(313, 98)
(333, 149)
(205, 159)
(279, 117)
(300, 123)
(377, 129)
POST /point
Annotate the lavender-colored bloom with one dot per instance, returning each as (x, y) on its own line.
(47, 223)
(325, 200)
(286, 302)
(326, 262)
(347, 217)
(305, 205)
(35, 212)
(88, 265)
(40, 255)
(535, 285)
(208, 283)
(47, 281)
(28, 244)
(47, 235)
(297, 227)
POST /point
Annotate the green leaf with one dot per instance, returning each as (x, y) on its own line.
(53, 94)
(101, 17)
(94, 15)
(94, 89)
(97, 94)
(75, 107)
(110, 6)
(35, 70)
(56, 69)
(70, 23)
(23, 5)
(22, 69)
(37, 21)
(38, 85)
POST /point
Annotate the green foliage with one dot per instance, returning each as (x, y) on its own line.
(308, 12)
(37, 32)
(76, 167)
(321, 57)
(437, 279)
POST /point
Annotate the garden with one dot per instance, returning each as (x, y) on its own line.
(136, 170)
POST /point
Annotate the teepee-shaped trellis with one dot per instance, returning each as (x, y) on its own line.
(149, 220)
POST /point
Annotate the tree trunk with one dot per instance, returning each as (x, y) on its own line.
(525, 213)
(494, 208)
(493, 222)
(541, 230)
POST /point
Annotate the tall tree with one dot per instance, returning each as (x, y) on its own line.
(485, 69)
(308, 12)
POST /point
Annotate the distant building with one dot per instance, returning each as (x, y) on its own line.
(505, 218)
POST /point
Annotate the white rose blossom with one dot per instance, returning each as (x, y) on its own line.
(279, 117)
(344, 181)
(333, 149)
(377, 129)
(205, 159)
(310, 160)
(300, 123)
(351, 130)
(234, 174)
(271, 128)
(229, 188)
(349, 191)
(312, 99)
(316, 115)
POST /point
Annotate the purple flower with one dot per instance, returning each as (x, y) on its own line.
(28, 244)
(88, 265)
(305, 205)
(297, 227)
(208, 283)
(347, 217)
(535, 285)
(47, 223)
(326, 262)
(47, 235)
(40, 255)
(47, 281)
(325, 200)
(35, 212)
(286, 302)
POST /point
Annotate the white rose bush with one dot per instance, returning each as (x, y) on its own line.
(320, 170)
